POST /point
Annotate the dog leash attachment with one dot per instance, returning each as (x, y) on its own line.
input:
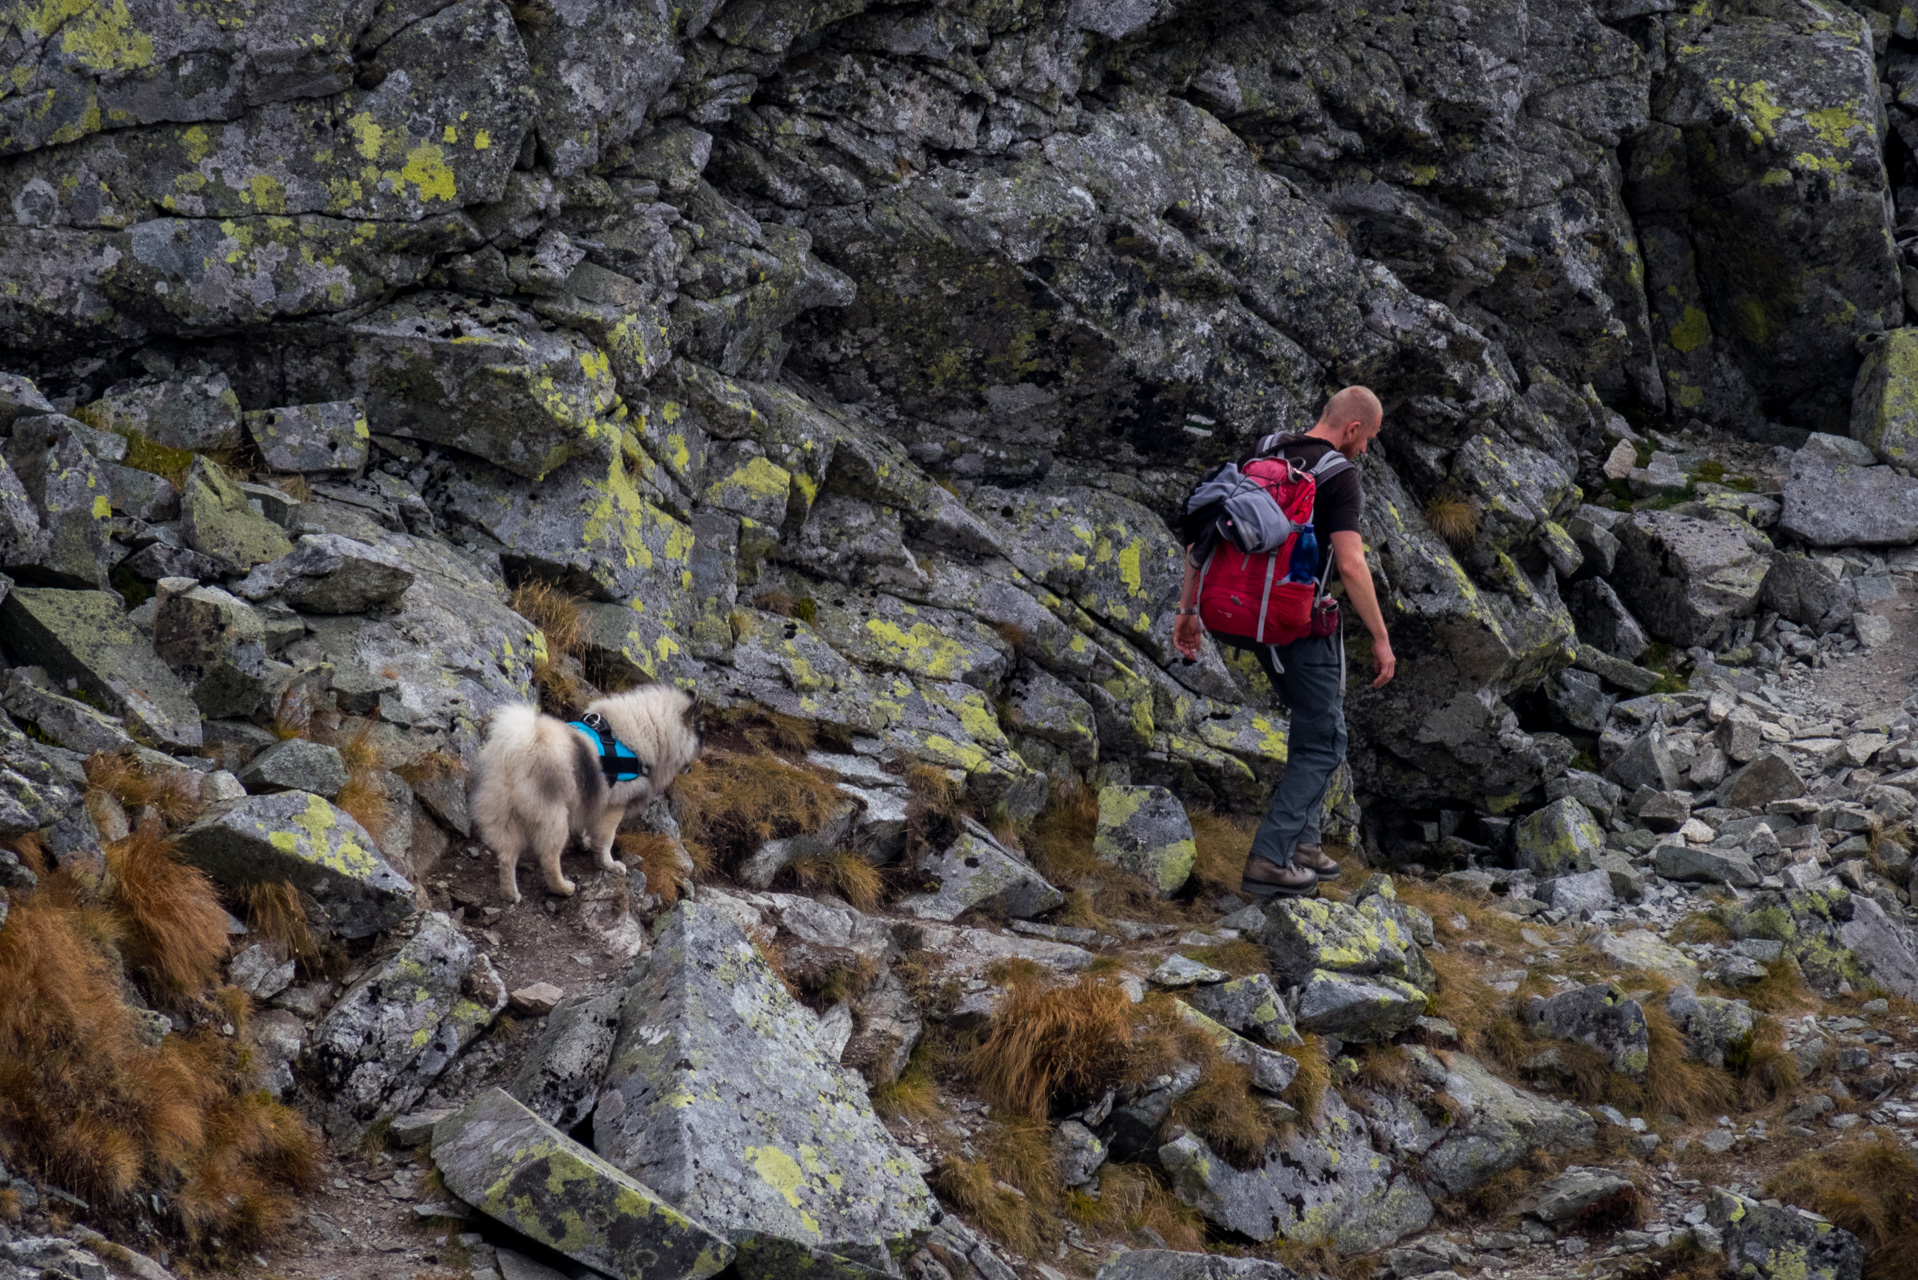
(616, 759)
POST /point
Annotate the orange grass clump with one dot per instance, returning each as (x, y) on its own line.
(89, 1105)
(170, 915)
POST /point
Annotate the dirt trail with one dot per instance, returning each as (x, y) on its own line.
(1878, 682)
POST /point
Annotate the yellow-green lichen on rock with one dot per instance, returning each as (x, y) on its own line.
(1145, 830)
(303, 839)
(519, 1170)
(727, 1109)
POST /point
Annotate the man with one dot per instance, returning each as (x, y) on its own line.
(1309, 677)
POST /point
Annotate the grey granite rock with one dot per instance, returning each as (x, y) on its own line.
(303, 839)
(516, 1168)
(719, 1100)
(379, 1049)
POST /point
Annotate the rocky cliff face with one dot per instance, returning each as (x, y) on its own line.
(680, 306)
(366, 365)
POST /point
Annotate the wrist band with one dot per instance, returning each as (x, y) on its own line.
(1193, 612)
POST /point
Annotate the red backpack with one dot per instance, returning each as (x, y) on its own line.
(1272, 597)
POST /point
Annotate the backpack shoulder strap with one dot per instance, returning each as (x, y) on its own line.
(1330, 465)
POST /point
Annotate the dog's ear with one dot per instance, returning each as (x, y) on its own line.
(691, 716)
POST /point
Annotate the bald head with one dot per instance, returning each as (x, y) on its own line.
(1349, 421)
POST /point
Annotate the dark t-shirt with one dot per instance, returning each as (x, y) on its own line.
(1340, 501)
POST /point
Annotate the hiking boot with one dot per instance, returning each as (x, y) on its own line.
(1314, 858)
(1263, 879)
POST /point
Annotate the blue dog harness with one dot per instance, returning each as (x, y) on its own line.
(616, 759)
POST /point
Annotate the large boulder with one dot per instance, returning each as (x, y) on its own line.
(720, 1100)
(1835, 498)
(1493, 1125)
(1810, 590)
(323, 437)
(1782, 1243)
(977, 871)
(1164, 1264)
(518, 1169)
(1358, 1008)
(1559, 839)
(304, 840)
(559, 1079)
(84, 636)
(1758, 191)
(223, 524)
(218, 644)
(1884, 398)
(1768, 778)
(1687, 579)
(198, 412)
(327, 573)
(68, 485)
(1883, 945)
(1145, 830)
(1322, 1183)
(1601, 1016)
(379, 1049)
(1603, 620)
(1304, 935)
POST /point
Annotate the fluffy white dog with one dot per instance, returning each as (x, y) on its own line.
(541, 781)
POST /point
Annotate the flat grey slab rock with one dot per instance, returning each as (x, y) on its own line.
(305, 839)
(1324, 1183)
(1829, 503)
(379, 1049)
(1165, 1264)
(517, 1169)
(85, 636)
(720, 1100)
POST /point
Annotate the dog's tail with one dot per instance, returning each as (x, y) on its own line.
(510, 735)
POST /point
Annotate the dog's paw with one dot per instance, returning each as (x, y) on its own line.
(564, 888)
(607, 862)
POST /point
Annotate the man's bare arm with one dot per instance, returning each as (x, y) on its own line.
(1350, 550)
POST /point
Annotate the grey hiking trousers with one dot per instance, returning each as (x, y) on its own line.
(1309, 677)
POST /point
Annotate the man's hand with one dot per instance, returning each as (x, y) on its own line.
(1387, 664)
(1186, 635)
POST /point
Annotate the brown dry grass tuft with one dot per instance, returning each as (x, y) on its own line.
(429, 766)
(170, 913)
(1384, 1068)
(1498, 1195)
(1013, 1190)
(1674, 1084)
(1452, 518)
(277, 913)
(913, 1094)
(1764, 1070)
(558, 676)
(1320, 1258)
(747, 730)
(775, 600)
(1781, 990)
(1135, 1198)
(843, 872)
(729, 803)
(363, 797)
(135, 786)
(1307, 1089)
(1059, 846)
(554, 611)
(1223, 840)
(657, 857)
(1046, 1044)
(85, 1103)
(1241, 957)
(1868, 1187)
(1223, 1109)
